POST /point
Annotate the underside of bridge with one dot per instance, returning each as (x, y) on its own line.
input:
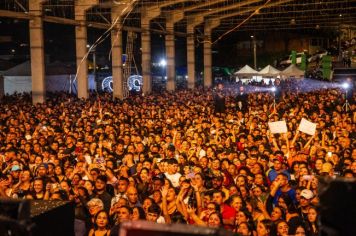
(205, 21)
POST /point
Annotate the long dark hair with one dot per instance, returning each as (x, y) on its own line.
(141, 213)
(96, 217)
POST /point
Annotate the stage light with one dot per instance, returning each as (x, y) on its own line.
(345, 85)
(273, 89)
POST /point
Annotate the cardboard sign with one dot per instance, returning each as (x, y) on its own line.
(307, 127)
(278, 127)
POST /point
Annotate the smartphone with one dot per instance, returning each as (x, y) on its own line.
(307, 177)
(190, 175)
(330, 154)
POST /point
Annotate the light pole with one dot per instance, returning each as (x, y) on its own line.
(254, 51)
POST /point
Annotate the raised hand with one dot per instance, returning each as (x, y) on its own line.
(164, 192)
(191, 210)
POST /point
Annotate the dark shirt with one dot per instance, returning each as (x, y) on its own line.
(106, 198)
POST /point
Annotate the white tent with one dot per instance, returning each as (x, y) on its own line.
(269, 71)
(292, 71)
(246, 71)
(245, 74)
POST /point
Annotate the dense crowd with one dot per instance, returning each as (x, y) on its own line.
(180, 158)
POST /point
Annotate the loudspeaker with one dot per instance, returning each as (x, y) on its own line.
(337, 206)
(14, 217)
(146, 228)
(24, 217)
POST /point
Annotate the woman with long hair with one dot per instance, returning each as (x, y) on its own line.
(101, 224)
(264, 227)
(22, 188)
(59, 173)
(138, 214)
(312, 223)
(245, 229)
(214, 219)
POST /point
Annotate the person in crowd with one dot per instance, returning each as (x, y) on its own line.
(242, 100)
(101, 224)
(219, 99)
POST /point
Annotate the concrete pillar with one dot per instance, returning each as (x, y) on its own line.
(37, 52)
(80, 8)
(147, 14)
(116, 43)
(191, 24)
(171, 19)
(146, 56)
(170, 56)
(209, 26)
(190, 57)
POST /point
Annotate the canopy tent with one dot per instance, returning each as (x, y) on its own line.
(269, 71)
(292, 71)
(246, 71)
(246, 74)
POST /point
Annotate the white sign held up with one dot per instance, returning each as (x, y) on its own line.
(278, 127)
(307, 127)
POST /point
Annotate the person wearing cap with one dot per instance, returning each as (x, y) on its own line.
(327, 169)
(306, 196)
(15, 173)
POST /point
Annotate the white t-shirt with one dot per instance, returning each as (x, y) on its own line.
(173, 178)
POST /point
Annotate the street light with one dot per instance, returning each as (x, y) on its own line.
(254, 51)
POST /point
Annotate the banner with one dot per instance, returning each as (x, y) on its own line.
(307, 127)
(278, 127)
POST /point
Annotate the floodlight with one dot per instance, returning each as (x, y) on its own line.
(163, 63)
(345, 85)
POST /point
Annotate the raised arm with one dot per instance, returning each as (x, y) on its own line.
(194, 217)
(166, 216)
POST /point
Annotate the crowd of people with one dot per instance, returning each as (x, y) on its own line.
(177, 158)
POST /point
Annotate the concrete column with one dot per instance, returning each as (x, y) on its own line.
(208, 80)
(146, 56)
(170, 56)
(116, 42)
(80, 8)
(147, 14)
(37, 52)
(171, 19)
(191, 24)
(190, 57)
(209, 26)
